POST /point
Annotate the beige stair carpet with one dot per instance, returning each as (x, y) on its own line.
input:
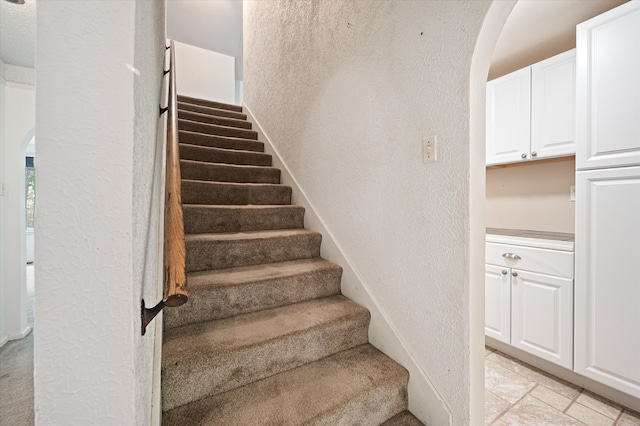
(266, 338)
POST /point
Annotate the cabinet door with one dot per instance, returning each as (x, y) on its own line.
(608, 89)
(607, 297)
(497, 310)
(508, 117)
(542, 316)
(553, 106)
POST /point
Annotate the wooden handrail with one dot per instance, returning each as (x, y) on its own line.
(175, 276)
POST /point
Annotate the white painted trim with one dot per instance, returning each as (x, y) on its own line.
(425, 402)
(24, 333)
(19, 85)
(4, 339)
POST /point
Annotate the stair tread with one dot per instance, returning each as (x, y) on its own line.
(225, 150)
(255, 273)
(224, 156)
(213, 128)
(248, 235)
(229, 166)
(200, 101)
(241, 207)
(186, 106)
(229, 140)
(223, 293)
(218, 120)
(239, 184)
(342, 388)
(248, 330)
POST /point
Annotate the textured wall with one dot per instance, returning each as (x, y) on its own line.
(93, 113)
(532, 195)
(148, 192)
(346, 90)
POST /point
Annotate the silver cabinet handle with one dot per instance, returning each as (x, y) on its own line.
(534, 154)
(514, 273)
(511, 256)
(504, 272)
(524, 156)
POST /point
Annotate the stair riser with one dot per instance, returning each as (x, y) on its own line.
(207, 304)
(220, 173)
(205, 255)
(199, 220)
(213, 141)
(225, 156)
(210, 375)
(212, 129)
(213, 193)
(183, 106)
(211, 119)
(342, 389)
(210, 104)
(372, 408)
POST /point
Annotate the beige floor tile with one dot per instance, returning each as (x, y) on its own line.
(629, 419)
(565, 389)
(599, 404)
(531, 411)
(493, 406)
(550, 397)
(505, 383)
(19, 413)
(588, 416)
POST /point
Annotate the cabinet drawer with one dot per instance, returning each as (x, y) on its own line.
(550, 262)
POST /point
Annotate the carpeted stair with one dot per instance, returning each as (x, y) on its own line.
(266, 338)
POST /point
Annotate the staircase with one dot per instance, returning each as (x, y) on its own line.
(266, 337)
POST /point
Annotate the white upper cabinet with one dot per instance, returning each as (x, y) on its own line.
(531, 112)
(508, 117)
(608, 95)
(553, 93)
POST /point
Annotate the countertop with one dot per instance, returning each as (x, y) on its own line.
(538, 239)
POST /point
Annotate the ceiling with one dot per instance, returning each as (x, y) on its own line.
(539, 29)
(535, 30)
(18, 33)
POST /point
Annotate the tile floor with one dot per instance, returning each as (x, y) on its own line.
(16, 372)
(518, 394)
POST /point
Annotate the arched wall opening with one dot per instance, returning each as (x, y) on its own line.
(487, 39)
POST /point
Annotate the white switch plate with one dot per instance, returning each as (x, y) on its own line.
(572, 193)
(430, 149)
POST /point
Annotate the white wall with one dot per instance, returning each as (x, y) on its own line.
(532, 195)
(346, 91)
(212, 25)
(94, 116)
(18, 122)
(201, 73)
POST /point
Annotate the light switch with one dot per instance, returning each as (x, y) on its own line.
(430, 149)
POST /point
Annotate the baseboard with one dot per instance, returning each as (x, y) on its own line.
(567, 375)
(425, 402)
(24, 333)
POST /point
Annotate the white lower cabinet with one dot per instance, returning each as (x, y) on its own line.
(497, 311)
(531, 309)
(607, 284)
(542, 316)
